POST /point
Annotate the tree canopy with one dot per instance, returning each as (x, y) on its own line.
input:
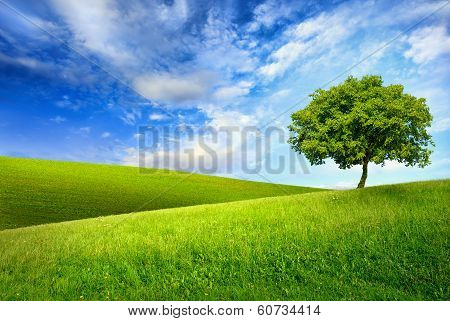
(361, 121)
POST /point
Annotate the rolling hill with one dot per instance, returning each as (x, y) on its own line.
(41, 191)
(379, 243)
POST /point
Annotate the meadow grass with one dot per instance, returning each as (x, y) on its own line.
(40, 191)
(379, 243)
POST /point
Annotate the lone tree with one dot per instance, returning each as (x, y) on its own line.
(361, 121)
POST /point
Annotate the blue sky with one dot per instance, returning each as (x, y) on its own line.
(77, 78)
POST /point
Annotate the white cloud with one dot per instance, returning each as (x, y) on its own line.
(169, 88)
(131, 39)
(221, 117)
(441, 125)
(196, 151)
(58, 119)
(282, 93)
(106, 134)
(242, 88)
(223, 48)
(85, 130)
(157, 116)
(270, 12)
(283, 58)
(227, 57)
(135, 43)
(402, 12)
(65, 71)
(176, 14)
(27, 62)
(96, 25)
(130, 117)
(131, 156)
(427, 44)
(311, 37)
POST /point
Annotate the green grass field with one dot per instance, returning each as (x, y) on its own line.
(379, 243)
(40, 191)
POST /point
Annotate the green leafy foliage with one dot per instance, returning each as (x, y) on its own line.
(362, 121)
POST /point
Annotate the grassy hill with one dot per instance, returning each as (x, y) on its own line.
(380, 243)
(40, 191)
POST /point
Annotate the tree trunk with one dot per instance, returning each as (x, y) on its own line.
(362, 181)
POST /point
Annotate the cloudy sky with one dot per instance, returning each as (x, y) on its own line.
(78, 77)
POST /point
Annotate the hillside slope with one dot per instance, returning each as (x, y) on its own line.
(40, 191)
(380, 243)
